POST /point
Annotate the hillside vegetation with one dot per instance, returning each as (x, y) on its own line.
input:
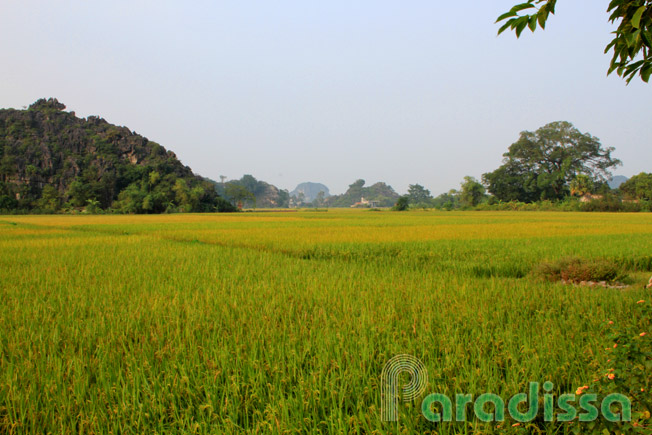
(52, 160)
(381, 193)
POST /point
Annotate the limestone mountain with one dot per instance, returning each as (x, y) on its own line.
(380, 194)
(250, 192)
(310, 191)
(51, 160)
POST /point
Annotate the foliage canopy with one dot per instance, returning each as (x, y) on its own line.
(52, 160)
(541, 164)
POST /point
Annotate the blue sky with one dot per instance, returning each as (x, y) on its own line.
(291, 91)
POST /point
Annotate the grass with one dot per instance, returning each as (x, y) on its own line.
(281, 323)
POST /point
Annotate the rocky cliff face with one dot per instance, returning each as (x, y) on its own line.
(268, 196)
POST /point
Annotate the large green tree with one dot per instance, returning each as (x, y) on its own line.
(472, 192)
(238, 194)
(418, 194)
(513, 181)
(638, 187)
(631, 46)
(541, 164)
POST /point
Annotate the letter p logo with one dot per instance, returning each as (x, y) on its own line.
(389, 381)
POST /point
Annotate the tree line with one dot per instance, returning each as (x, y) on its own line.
(51, 161)
(554, 165)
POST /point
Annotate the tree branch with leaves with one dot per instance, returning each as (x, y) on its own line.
(631, 46)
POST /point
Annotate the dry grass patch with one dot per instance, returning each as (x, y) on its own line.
(581, 270)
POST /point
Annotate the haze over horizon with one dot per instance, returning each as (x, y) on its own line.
(292, 92)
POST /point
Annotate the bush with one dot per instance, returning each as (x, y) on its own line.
(579, 269)
(611, 203)
(402, 204)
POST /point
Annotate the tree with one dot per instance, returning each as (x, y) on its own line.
(50, 200)
(355, 189)
(638, 187)
(472, 192)
(541, 164)
(92, 206)
(402, 203)
(250, 183)
(417, 194)
(320, 200)
(238, 194)
(78, 193)
(283, 198)
(512, 182)
(182, 194)
(130, 200)
(631, 46)
(154, 178)
(49, 104)
(447, 201)
(581, 185)
(300, 199)
(7, 166)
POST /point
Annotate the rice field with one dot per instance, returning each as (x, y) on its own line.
(282, 322)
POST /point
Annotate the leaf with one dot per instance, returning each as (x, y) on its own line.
(506, 15)
(631, 39)
(521, 26)
(532, 23)
(636, 19)
(646, 71)
(647, 38)
(521, 7)
(505, 27)
(611, 69)
(542, 17)
(615, 15)
(613, 4)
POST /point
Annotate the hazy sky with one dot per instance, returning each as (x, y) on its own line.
(289, 91)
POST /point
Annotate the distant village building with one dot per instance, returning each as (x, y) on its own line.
(588, 197)
(364, 203)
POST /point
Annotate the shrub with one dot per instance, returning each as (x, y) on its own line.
(579, 269)
(402, 204)
(610, 203)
